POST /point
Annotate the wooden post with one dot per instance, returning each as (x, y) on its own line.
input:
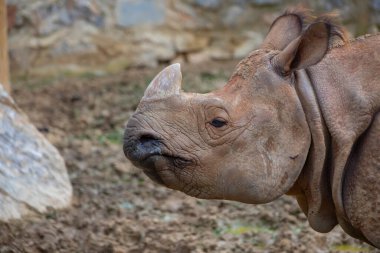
(4, 62)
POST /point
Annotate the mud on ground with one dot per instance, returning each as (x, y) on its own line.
(116, 208)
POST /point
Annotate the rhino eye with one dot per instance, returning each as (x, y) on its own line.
(218, 123)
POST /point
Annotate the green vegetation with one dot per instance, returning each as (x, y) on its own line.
(239, 228)
(350, 248)
(114, 136)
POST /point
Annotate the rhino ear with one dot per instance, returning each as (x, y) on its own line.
(305, 51)
(282, 31)
(165, 84)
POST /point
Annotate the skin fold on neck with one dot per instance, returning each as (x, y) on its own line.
(313, 189)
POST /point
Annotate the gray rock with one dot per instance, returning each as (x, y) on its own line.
(52, 16)
(376, 5)
(185, 16)
(188, 42)
(252, 42)
(33, 175)
(52, 31)
(158, 44)
(46, 41)
(149, 12)
(233, 16)
(265, 2)
(88, 10)
(77, 40)
(145, 59)
(198, 57)
(208, 4)
(218, 53)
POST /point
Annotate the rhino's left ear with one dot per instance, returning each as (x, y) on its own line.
(284, 30)
(305, 51)
(165, 84)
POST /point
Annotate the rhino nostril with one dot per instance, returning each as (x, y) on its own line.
(138, 147)
(148, 144)
(147, 138)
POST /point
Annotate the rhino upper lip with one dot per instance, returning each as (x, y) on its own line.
(165, 153)
(178, 161)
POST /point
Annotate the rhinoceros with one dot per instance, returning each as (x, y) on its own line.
(299, 116)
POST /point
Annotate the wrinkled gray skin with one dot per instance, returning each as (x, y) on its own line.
(295, 118)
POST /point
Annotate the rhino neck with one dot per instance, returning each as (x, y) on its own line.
(347, 91)
(313, 189)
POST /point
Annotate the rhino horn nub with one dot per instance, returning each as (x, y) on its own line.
(165, 84)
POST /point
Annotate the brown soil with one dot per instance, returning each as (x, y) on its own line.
(116, 208)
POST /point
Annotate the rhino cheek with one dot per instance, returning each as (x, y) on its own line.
(259, 169)
(244, 180)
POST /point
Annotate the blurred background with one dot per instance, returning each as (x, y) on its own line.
(96, 36)
(79, 69)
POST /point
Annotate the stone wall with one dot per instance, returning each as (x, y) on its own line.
(108, 36)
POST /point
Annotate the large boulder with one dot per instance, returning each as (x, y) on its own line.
(33, 175)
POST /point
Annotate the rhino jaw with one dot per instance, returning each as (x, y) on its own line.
(165, 84)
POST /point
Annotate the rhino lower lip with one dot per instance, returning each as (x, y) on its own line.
(149, 167)
(154, 163)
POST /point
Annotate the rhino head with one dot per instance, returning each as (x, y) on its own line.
(247, 141)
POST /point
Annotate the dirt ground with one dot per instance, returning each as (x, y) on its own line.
(116, 208)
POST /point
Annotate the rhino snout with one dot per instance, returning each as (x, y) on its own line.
(139, 147)
(144, 150)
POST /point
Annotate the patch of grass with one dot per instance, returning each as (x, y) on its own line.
(296, 229)
(118, 65)
(89, 74)
(132, 94)
(82, 136)
(350, 248)
(238, 228)
(148, 79)
(51, 214)
(36, 81)
(207, 76)
(33, 84)
(114, 136)
(135, 89)
(140, 181)
(242, 229)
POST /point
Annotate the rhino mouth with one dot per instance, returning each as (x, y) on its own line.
(152, 156)
(157, 164)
